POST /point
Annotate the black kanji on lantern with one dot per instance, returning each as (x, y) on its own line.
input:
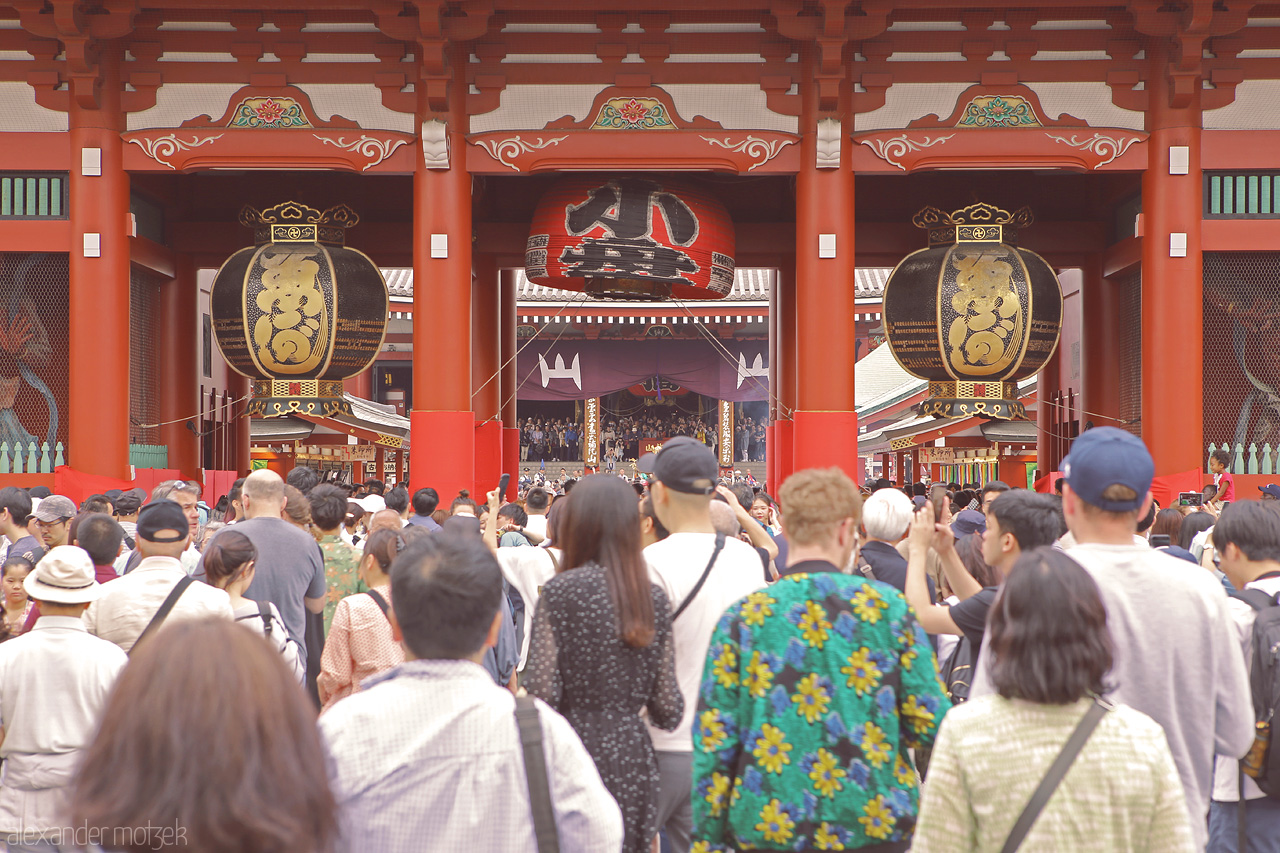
(632, 201)
(624, 208)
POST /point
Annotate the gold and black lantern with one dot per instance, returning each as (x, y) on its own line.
(973, 313)
(299, 312)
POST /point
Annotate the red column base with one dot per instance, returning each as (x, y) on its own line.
(511, 455)
(770, 456)
(443, 455)
(826, 439)
(488, 456)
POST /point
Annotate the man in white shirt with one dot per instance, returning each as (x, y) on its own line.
(128, 605)
(1247, 539)
(54, 681)
(536, 503)
(428, 754)
(685, 473)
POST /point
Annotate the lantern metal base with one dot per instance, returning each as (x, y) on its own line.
(319, 398)
(628, 288)
(998, 400)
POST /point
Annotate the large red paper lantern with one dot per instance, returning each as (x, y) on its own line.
(632, 238)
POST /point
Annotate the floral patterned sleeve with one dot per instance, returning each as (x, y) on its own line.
(336, 665)
(922, 700)
(666, 704)
(716, 741)
(542, 674)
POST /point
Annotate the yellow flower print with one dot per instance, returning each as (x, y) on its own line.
(775, 824)
(826, 838)
(757, 606)
(725, 668)
(826, 774)
(920, 717)
(716, 793)
(907, 659)
(759, 676)
(867, 605)
(874, 746)
(879, 821)
(737, 791)
(813, 625)
(712, 730)
(811, 698)
(700, 847)
(902, 772)
(771, 749)
(864, 674)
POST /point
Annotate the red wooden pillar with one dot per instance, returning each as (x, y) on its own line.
(240, 386)
(361, 385)
(1100, 348)
(178, 369)
(98, 304)
(1048, 389)
(826, 427)
(507, 352)
(1172, 276)
(379, 463)
(785, 350)
(486, 399)
(770, 432)
(442, 424)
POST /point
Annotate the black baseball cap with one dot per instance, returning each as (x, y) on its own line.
(162, 515)
(683, 465)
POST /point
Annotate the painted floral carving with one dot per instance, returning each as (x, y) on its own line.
(999, 111)
(269, 113)
(633, 114)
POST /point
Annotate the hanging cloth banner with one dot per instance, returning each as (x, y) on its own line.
(726, 433)
(578, 369)
(591, 432)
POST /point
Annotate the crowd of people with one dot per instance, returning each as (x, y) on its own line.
(621, 437)
(672, 663)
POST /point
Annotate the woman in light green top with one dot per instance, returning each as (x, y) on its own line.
(1051, 653)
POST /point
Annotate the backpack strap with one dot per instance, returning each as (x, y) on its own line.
(1054, 777)
(715, 552)
(1255, 598)
(380, 601)
(167, 605)
(535, 771)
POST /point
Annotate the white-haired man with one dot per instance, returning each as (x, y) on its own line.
(886, 517)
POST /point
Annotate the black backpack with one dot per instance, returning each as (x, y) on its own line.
(957, 671)
(1262, 764)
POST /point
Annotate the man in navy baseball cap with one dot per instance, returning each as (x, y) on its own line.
(1110, 469)
(1270, 492)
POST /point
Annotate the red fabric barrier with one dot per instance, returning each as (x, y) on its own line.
(78, 485)
(1165, 489)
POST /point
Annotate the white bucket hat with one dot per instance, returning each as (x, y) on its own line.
(63, 576)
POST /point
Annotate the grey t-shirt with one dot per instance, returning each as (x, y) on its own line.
(290, 567)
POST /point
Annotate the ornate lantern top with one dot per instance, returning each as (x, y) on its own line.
(977, 223)
(293, 222)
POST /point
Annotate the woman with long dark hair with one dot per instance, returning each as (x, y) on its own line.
(1051, 653)
(602, 649)
(207, 743)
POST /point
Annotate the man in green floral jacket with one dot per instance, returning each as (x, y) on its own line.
(813, 691)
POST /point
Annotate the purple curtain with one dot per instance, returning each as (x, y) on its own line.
(577, 369)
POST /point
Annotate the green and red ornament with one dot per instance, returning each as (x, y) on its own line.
(299, 312)
(973, 313)
(632, 238)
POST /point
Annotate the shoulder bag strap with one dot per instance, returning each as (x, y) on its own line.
(379, 600)
(1054, 777)
(535, 771)
(555, 561)
(167, 605)
(715, 552)
(264, 611)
